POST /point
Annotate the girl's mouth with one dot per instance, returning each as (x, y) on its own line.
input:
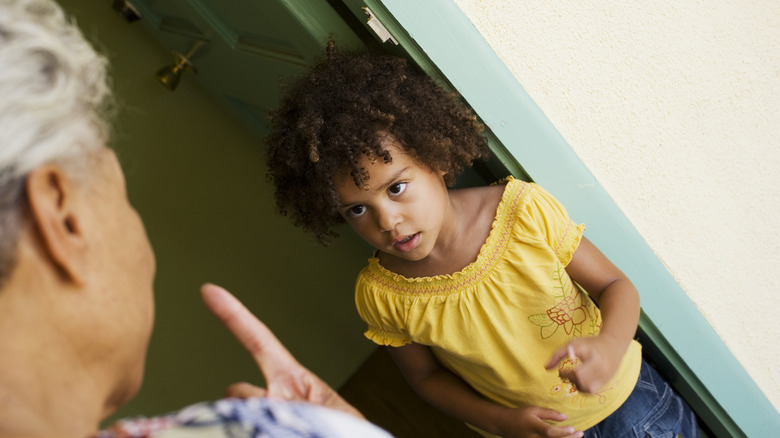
(408, 243)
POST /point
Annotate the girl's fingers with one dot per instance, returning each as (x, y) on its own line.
(554, 430)
(570, 375)
(558, 356)
(549, 414)
(269, 354)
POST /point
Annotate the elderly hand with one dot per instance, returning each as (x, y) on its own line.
(285, 376)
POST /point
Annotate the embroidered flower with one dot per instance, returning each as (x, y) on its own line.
(568, 313)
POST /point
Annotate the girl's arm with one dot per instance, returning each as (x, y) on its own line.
(447, 392)
(618, 301)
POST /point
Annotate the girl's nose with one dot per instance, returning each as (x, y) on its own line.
(387, 219)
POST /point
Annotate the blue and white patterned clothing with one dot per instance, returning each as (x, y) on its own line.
(250, 418)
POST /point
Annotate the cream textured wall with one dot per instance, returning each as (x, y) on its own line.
(675, 108)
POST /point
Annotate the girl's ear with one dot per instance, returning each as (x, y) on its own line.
(52, 198)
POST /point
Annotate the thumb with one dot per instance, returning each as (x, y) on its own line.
(245, 390)
(561, 354)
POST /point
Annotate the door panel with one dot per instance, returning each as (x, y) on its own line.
(242, 49)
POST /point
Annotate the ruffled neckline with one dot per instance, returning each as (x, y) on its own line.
(488, 254)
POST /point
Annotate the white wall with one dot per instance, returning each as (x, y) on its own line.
(675, 108)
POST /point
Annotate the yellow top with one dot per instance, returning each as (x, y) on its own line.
(499, 320)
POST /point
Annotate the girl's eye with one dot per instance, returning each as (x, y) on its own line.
(397, 188)
(357, 211)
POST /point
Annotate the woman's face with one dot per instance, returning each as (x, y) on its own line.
(123, 275)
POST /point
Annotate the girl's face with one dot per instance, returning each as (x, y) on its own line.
(401, 210)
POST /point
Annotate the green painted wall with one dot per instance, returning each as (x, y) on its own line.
(197, 177)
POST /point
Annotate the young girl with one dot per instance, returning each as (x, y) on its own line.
(487, 296)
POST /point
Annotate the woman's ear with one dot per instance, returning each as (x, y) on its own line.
(54, 209)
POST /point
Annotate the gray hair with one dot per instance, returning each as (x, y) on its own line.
(54, 101)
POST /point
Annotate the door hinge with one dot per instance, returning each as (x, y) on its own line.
(379, 29)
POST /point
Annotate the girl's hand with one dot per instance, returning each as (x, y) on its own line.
(286, 377)
(597, 359)
(593, 362)
(531, 422)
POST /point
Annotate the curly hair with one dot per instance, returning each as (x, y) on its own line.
(328, 120)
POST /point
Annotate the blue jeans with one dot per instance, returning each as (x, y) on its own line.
(652, 410)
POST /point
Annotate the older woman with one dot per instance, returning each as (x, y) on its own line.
(76, 266)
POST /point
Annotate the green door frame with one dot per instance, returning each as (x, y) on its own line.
(441, 39)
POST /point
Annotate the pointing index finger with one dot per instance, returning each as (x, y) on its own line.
(269, 354)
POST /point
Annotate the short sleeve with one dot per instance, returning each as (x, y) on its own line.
(556, 227)
(380, 311)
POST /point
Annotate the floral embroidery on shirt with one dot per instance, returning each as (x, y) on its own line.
(568, 389)
(569, 312)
